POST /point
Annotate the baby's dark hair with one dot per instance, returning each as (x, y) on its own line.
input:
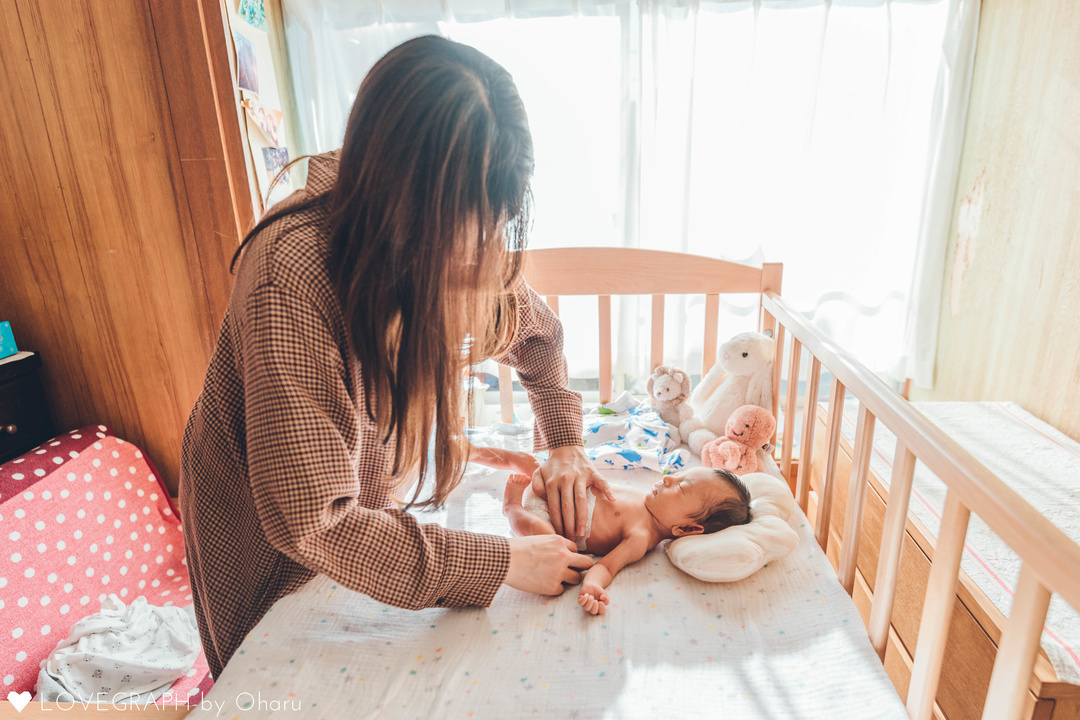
(729, 511)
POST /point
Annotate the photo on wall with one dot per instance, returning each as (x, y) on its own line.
(275, 160)
(268, 120)
(248, 68)
(254, 13)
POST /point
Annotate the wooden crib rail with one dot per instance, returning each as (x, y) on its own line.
(634, 271)
(605, 272)
(1051, 560)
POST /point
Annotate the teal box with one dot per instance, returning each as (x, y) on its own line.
(7, 340)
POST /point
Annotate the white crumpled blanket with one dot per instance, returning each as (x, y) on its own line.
(123, 653)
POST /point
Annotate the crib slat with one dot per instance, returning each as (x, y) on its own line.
(553, 303)
(860, 469)
(605, 348)
(892, 545)
(825, 488)
(657, 332)
(1016, 651)
(806, 447)
(771, 280)
(506, 393)
(712, 320)
(778, 365)
(937, 609)
(789, 407)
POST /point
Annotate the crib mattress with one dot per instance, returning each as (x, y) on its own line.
(786, 642)
(1037, 461)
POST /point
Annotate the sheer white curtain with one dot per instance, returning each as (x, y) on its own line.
(824, 135)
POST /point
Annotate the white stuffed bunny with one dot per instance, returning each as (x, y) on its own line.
(742, 376)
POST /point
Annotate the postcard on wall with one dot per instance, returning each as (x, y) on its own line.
(275, 160)
(268, 120)
(254, 13)
(248, 69)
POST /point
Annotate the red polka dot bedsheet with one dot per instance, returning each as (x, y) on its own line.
(83, 516)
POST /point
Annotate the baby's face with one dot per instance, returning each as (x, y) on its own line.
(678, 499)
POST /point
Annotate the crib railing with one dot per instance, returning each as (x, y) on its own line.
(604, 272)
(1051, 560)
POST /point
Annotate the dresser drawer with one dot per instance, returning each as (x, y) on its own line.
(24, 416)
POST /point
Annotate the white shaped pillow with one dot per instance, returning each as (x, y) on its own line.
(739, 551)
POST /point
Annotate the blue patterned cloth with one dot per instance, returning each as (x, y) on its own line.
(625, 434)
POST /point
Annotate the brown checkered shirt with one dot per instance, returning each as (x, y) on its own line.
(281, 475)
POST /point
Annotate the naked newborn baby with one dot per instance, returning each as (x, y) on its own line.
(690, 502)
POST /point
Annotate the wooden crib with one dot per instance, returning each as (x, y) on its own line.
(1051, 559)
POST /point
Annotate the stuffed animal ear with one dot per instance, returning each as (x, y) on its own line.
(678, 377)
(759, 391)
(648, 385)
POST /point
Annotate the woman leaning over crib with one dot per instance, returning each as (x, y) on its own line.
(341, 355)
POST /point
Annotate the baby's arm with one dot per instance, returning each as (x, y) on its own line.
(512, 460)
(592, 598)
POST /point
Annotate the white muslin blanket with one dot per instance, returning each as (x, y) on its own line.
(123, 653)
(625, 435)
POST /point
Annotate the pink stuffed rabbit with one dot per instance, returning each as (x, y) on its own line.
(748, 430)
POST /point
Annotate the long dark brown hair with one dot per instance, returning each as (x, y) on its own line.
(427, 219)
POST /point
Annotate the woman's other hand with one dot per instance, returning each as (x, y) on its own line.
(566, 477)
(542, 563)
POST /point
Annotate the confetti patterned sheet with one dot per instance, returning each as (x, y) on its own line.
(784, 643)
(1036, 460)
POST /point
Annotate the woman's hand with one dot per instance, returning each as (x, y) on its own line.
(542, 563)
(566, 476)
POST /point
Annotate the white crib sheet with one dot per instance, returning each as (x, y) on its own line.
(784, 643)
(1037, 461)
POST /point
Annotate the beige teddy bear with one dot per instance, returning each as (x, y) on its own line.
(669, 391)
(742, 376)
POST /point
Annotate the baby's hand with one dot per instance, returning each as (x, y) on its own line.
(593, 599)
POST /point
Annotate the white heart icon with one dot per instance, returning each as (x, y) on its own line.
(19, 700)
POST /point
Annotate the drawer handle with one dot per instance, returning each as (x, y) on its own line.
(11, 429)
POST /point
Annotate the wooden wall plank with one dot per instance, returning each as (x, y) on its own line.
(37, 238)
(116, 229)
(1009, 329)
(200, 121)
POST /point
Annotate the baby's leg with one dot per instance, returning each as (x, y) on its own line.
(538, 487)
(522, 522)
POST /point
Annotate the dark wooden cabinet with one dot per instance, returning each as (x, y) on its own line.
(24, 414)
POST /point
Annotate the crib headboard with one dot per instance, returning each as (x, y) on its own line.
(604, 272)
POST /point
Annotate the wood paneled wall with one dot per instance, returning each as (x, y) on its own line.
(1010, 321)
(119, 206)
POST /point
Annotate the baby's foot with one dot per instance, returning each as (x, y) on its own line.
(513, 493)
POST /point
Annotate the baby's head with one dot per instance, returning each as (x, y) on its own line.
(699, 501)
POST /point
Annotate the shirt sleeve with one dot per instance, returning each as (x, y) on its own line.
(537, 355)
(300, 417)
